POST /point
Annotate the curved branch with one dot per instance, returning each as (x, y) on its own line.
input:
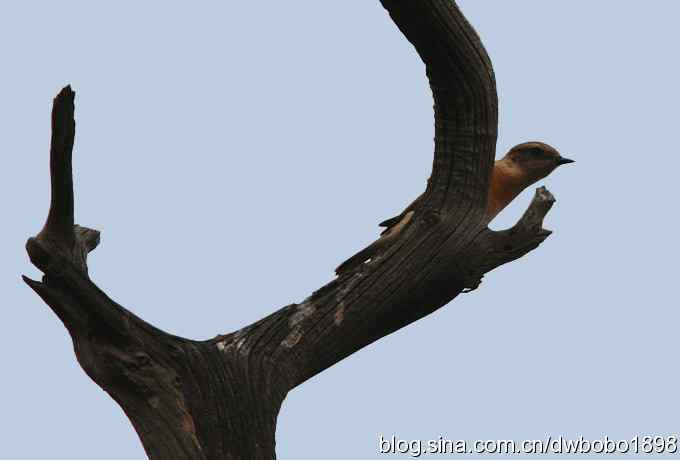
(219, 399)
(465, 100)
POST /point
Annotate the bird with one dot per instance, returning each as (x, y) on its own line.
(522, 166)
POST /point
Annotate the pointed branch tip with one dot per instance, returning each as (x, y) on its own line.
(59, 223)
(66, 92)
(31, 283)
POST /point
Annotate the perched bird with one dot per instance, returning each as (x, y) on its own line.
(522, 166)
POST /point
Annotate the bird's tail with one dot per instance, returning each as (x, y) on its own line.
(357, 259)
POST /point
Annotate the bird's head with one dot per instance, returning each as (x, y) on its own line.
(532, 161)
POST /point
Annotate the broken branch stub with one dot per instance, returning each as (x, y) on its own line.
(495, 248)
(73, 242)
(219, 399)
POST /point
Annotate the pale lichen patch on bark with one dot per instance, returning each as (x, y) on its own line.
(348, 286)
(231, 342)
(304, 310)
(240, 342)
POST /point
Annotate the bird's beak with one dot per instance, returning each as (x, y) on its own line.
(564, 161)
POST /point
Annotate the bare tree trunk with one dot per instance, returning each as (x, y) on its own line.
(219, 399)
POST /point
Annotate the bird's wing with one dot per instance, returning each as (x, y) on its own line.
(388, 237)
(358, 258)
(392, 221)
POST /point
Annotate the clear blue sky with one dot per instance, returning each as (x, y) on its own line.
(243, 149)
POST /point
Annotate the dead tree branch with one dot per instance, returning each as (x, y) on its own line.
(219, 399)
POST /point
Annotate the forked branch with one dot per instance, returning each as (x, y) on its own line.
(219, 399)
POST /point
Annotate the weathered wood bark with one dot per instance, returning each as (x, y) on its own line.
(219, 399)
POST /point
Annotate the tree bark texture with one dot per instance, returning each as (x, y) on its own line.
(219, 399)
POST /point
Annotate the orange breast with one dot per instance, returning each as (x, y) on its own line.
(503, 189)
